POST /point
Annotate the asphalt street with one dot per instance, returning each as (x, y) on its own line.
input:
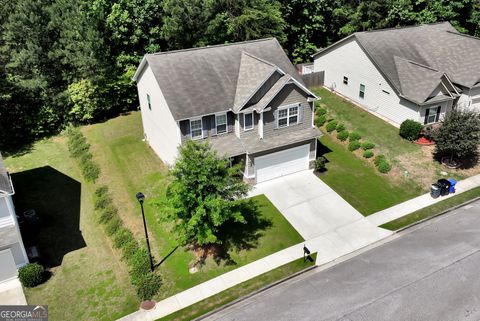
(432, 272)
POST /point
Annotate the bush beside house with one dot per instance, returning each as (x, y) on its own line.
(410, 129)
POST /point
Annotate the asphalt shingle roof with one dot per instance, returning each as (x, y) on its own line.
(201, 81)
(429, 51)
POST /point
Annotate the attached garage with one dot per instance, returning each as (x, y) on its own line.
(282, 163)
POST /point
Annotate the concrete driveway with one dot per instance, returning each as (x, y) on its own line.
(315, 210)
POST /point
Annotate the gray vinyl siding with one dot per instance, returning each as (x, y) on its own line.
(252, 132)
(290, 94)
(208, 123)
(264, 88)
(251, 157)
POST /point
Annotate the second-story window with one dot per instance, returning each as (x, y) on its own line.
(196, 128)
(288, 116)
(221, 122)
(149, 103)
(361, 93)
(345, 80)
(248, 121)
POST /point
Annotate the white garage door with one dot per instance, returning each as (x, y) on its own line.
(282, 163)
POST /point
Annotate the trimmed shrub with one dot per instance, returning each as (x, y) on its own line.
(320, 120)
(107, 213)
(122, 237)
(354, 136)
(90, 170)
(368, 145)
(148, 286)
(410, 129)
(140, 265)
(321, 111)
(102, 202)
(340, 127)
(353, 145)
(384, 167)
(101, 191)
(331, 126)
(343, 135)
(379, 159)
(319, 164)
(368, 153)
(113, 225)
(31, 275)
(85, 157)
(129, 249)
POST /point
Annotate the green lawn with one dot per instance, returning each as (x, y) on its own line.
(239, 290)
(86, 271)
(403, 154)
(129, 165)
(432, 210)
(88, 282)
(358, 182)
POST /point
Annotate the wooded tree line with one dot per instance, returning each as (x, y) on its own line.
(64, 61)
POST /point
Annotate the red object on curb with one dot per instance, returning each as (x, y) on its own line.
(424, 141)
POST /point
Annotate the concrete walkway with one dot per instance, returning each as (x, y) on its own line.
(417, 203)
(331, 227)
(11, 293)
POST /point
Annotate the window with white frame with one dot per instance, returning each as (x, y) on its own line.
(432, 115)
(248, 121)
(196, 128)
(288, 116)
(221, 123)
(361, 94)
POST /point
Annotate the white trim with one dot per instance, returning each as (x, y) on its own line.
(315, 154)
(253, 122)
(429, 114)
(140, 67)
(226, 123)
(201, 128)
(287, 107)
(313, 113)
(17, 227)
(179, 132)
(260, 126)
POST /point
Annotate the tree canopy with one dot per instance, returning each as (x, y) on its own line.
(72, 61)
(206, 193)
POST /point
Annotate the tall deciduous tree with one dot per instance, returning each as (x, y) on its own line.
(459, 136)
(205, 194)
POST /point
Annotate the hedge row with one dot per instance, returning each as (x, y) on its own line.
(353, 139)
(146, 282)
(80, 149)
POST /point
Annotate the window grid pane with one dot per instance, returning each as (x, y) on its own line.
(221, 119)
(292, 120)
(248, 121)
(282, 113)
(282, 122)
(293, 110)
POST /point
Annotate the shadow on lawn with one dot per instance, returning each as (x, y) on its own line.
(238, 236)
(56, 199)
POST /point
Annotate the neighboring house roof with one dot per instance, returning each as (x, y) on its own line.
(430, 50)
(5, 183)
(202, 81)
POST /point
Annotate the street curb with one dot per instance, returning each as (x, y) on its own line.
(317, 268)
(246, 296)
(435, 215)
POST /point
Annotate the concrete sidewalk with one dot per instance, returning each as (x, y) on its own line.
(417, 203)
(328, 247)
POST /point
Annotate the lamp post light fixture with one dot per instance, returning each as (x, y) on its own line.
(141, 198)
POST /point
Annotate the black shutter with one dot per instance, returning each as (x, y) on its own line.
(438, 113)
(426, 116)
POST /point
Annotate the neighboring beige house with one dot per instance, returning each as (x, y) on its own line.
(245, 98)
(417, 72)
(12, 251)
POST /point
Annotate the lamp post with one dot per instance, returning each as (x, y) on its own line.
(141, 198)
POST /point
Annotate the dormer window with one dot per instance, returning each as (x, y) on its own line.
(248, 121)
(221, 123)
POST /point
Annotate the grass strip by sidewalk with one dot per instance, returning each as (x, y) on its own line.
(239, 290)
(432, 210)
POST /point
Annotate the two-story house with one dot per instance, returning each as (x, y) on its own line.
(12, 251)
(417, 72)
(245, 98)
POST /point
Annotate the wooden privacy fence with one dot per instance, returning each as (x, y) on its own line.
(315, 79)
